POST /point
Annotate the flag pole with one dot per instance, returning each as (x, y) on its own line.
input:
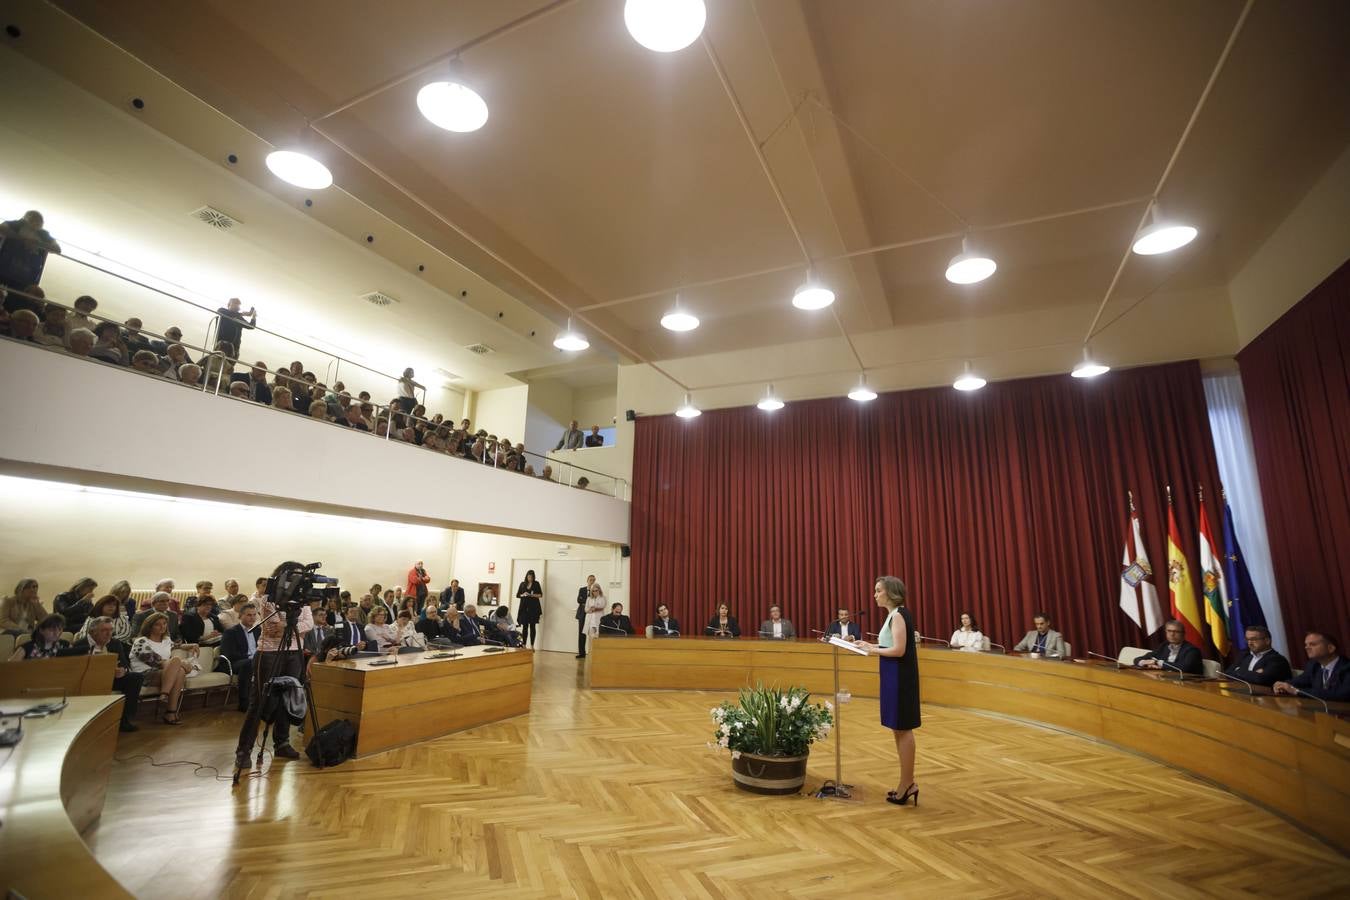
(1142, 621)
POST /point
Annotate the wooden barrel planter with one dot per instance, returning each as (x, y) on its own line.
(769, 774)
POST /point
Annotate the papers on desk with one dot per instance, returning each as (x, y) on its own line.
(837, 641)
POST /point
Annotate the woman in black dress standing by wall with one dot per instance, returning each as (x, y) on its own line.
(530, 609)
(899, 681)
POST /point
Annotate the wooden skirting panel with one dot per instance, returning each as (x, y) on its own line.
(422, 698)
(1282, 752)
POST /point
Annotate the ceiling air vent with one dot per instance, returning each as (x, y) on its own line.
(447, 375)
(480, 349)
(379, 298)
(215, 218)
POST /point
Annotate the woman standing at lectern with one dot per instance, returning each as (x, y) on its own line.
(899, 681)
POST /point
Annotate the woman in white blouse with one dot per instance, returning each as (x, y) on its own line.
(406, 630)
(379, 633)
(968, 636)
(152, 655)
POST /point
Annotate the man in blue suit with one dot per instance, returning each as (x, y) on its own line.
(844, 628)
(1327, 675)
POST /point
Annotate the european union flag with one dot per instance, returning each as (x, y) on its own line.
(1244, 607)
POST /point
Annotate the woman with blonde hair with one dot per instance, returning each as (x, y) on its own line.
(152, 655)
(379, 632)
(122, 591)
(21, 611)
(899, 680)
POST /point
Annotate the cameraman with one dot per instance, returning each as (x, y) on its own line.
(273, 660)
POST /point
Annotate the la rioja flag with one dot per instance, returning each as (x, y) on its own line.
(1213, 585)
(1138, 595)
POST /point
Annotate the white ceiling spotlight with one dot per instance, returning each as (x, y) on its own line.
(862, 393)
(1089, 367)
(688, 410)
(969, 267)
(571, 341)
(770, 403)
(678, 319)
(665, 25)
(299, 169)
(1162, 236)
(969, 381)
(452, 105)
(812, 294)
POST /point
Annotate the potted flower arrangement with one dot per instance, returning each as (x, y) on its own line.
(769, 732)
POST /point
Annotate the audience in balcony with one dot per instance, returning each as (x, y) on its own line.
(84, 308)
(108, 345)
(46, 642)
(571, 438)
(230, 322)
(23, 325)
(52, 332)
(21, 611)
(80, 342)
(595, 438)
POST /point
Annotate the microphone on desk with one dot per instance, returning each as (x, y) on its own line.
(1181, 673)
(614, 629)
(933, 640)
(1114, 659)
(999, 646)
(1226, 677)
(1302, 693)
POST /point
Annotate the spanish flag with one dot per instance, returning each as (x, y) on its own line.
(1179, 585)
(1212, 583)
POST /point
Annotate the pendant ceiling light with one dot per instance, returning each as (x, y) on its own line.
(1089, 368)
(688, 410)
(678, 319)
(862, 393)
(665, 25)
(969, 381)
(299, 169)
(969, 267)
(770, 403)
(812, 294)
(452, 106)
(571, 341)
(1162, 236)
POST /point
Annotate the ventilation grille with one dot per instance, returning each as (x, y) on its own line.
(215, 218)
(379, 298)
(447, 374)
(480, 349)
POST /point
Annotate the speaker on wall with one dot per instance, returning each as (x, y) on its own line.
(630, 415)
(625, 551)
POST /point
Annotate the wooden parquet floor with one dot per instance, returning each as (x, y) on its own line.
(609, 794)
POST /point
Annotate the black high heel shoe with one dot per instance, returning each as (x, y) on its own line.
(911, 791)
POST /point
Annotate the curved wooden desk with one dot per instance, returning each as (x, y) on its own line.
(51, 790)
(1282, 752)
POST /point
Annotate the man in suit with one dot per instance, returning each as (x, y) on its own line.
(363, 610)
(471, 627)
(1327, 675)
(1260, 664)
(319, 633)
(240, 645)
(193, 626)
(125, 682)
(158, 603)
(1176, 651)
(664, 625)
(583, 594)
(453, 595)
(776, 627)
(1042, 639)
(843, 627)
(616, 623)
(351, 631)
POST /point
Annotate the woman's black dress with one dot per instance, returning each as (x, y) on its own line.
(900, 680)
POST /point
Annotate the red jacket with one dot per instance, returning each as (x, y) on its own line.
(414, 580)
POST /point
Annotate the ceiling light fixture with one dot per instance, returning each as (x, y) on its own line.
(969, 381)
(679, 320)
(812, 294)
(770, 403)
(452, 106)
(862, 393)
(299, 169)
(1089, 368)
(571, 341)
(665, 25)
(968, 267)
(688, 410)
(1161, 236)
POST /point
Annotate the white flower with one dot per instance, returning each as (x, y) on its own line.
(723, 743)
(735, 754)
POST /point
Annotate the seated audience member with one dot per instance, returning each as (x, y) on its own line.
(52, 331)
(615, 622)
(98, 640)
(232, 592)
(431, 623)
(595, 438)
(23, 325)
(75, 604)
(190, 374)
(1260, 664)
(108, 346)
(205, 589)
(318, 410)
(152, 656)
(364, 608)
(393, 602)
(110, 608)
(175, 357)
(122, 591)
(352, 632)
(21, 611)
(159, 603)
(172, 335)
(1178, 652)
(968, 636)
(775, 627)
(167, 585)
(583, 483)
(547, 473)
(228, 615)
(503, 629)
(1042, 639)
(353, 419)
(321, 632)
(239, 390)
(471, 628)
(80, 342)
(1327, 675)
(46, 641)
(84, 306)
(453, 595)
(331, 650)
(147, 362)
(281, 399)
(218, 366)
(257, 380)
(380, 635)
(239, 644)
(201, 626)
(133, 340)
(843, 626)
(405, 629)
(723, 623)
(664, 625)
(452, 628)
(23, 252)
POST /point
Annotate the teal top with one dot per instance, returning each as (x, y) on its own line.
(884, 637)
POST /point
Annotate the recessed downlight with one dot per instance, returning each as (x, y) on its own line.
(299, 169)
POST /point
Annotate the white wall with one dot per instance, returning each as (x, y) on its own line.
(103, 424)
(502, 412)
(548, 412)
(595, 405)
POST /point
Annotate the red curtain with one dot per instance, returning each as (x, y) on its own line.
(1296, 376)
(1002, 503)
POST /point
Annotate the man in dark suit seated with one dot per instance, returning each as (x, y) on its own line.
(843, 627)
(471, 628)
(239, 645)
(453, 595)
(1260, 664)
(125, 682)
(1176, 651)
(616, 623)
(1327, 675)
(318, 634)
(351, 630)
(663, 625)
